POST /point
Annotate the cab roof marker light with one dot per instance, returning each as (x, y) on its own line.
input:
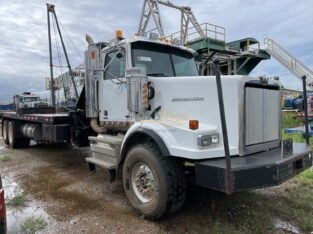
(177, 42)
(119, 34)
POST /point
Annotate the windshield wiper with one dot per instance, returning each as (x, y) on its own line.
(156, 74)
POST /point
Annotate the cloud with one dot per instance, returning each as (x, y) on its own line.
(24, 57)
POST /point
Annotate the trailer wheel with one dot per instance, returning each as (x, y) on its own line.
(13, 140)
(16, 141)
(5, 132)
(154, 185)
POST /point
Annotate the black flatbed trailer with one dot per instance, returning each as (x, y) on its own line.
(40, 124)
(52, 118)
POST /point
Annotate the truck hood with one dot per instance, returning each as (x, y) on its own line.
(195, 98)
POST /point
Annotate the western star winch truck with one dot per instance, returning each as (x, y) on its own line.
(28, 99)
(150, 118)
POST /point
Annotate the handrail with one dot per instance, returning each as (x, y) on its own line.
(207, 28)
(286, 54)
(288, 60)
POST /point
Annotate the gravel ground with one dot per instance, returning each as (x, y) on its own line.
(60, 190)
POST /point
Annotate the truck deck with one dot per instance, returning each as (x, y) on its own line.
(51, 118)
(41, 124)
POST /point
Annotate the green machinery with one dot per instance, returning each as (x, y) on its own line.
(236, 58)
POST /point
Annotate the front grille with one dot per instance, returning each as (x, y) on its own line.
(262, 114)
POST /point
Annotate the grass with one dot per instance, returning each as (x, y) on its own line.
(289, 120)
(18, 200)
(297, 199)
(308, 174)
(32, 225)
(5, 158)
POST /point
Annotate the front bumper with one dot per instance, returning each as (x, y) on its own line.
(254, 171)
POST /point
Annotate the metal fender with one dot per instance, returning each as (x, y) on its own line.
(159, 133)
(177, 141)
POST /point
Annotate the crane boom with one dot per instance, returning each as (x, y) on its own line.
(150, 8)
(51, 10)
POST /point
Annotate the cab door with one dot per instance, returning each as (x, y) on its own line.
(113, 88)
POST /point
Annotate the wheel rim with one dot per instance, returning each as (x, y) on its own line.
(10, 133)
(143, 182)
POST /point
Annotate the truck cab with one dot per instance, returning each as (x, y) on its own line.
(28, 99)
(154, 114)
(155, 85)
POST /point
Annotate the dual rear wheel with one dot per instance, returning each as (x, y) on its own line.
(12, 137)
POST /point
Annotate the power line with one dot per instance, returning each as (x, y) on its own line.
(75, 47)
(57, 47)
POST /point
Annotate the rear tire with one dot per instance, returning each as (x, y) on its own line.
(5, 132)
(154, 185)
(14, 139)
(13, 143)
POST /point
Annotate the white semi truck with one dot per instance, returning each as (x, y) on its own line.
(28, 99)
(151, 118)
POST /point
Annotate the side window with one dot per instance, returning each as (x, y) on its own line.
(116, 68)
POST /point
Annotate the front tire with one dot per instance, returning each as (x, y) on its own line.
(154, 185)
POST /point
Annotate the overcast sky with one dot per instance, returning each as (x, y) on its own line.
(24, 57)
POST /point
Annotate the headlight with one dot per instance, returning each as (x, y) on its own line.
(207, 140)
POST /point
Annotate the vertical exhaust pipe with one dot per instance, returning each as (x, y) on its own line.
(229, 182)
(305, 107)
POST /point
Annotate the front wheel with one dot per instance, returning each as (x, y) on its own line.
(154, 185)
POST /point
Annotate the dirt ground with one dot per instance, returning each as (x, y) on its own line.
(60, 189)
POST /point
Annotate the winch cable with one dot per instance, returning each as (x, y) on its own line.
(79, 53)
(57, 45)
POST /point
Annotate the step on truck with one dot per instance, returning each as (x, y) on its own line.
(151, 119)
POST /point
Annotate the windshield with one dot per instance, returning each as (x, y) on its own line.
(30, 99)
(161, 60)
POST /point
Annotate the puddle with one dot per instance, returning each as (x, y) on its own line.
(11, 188)
(17, 215)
